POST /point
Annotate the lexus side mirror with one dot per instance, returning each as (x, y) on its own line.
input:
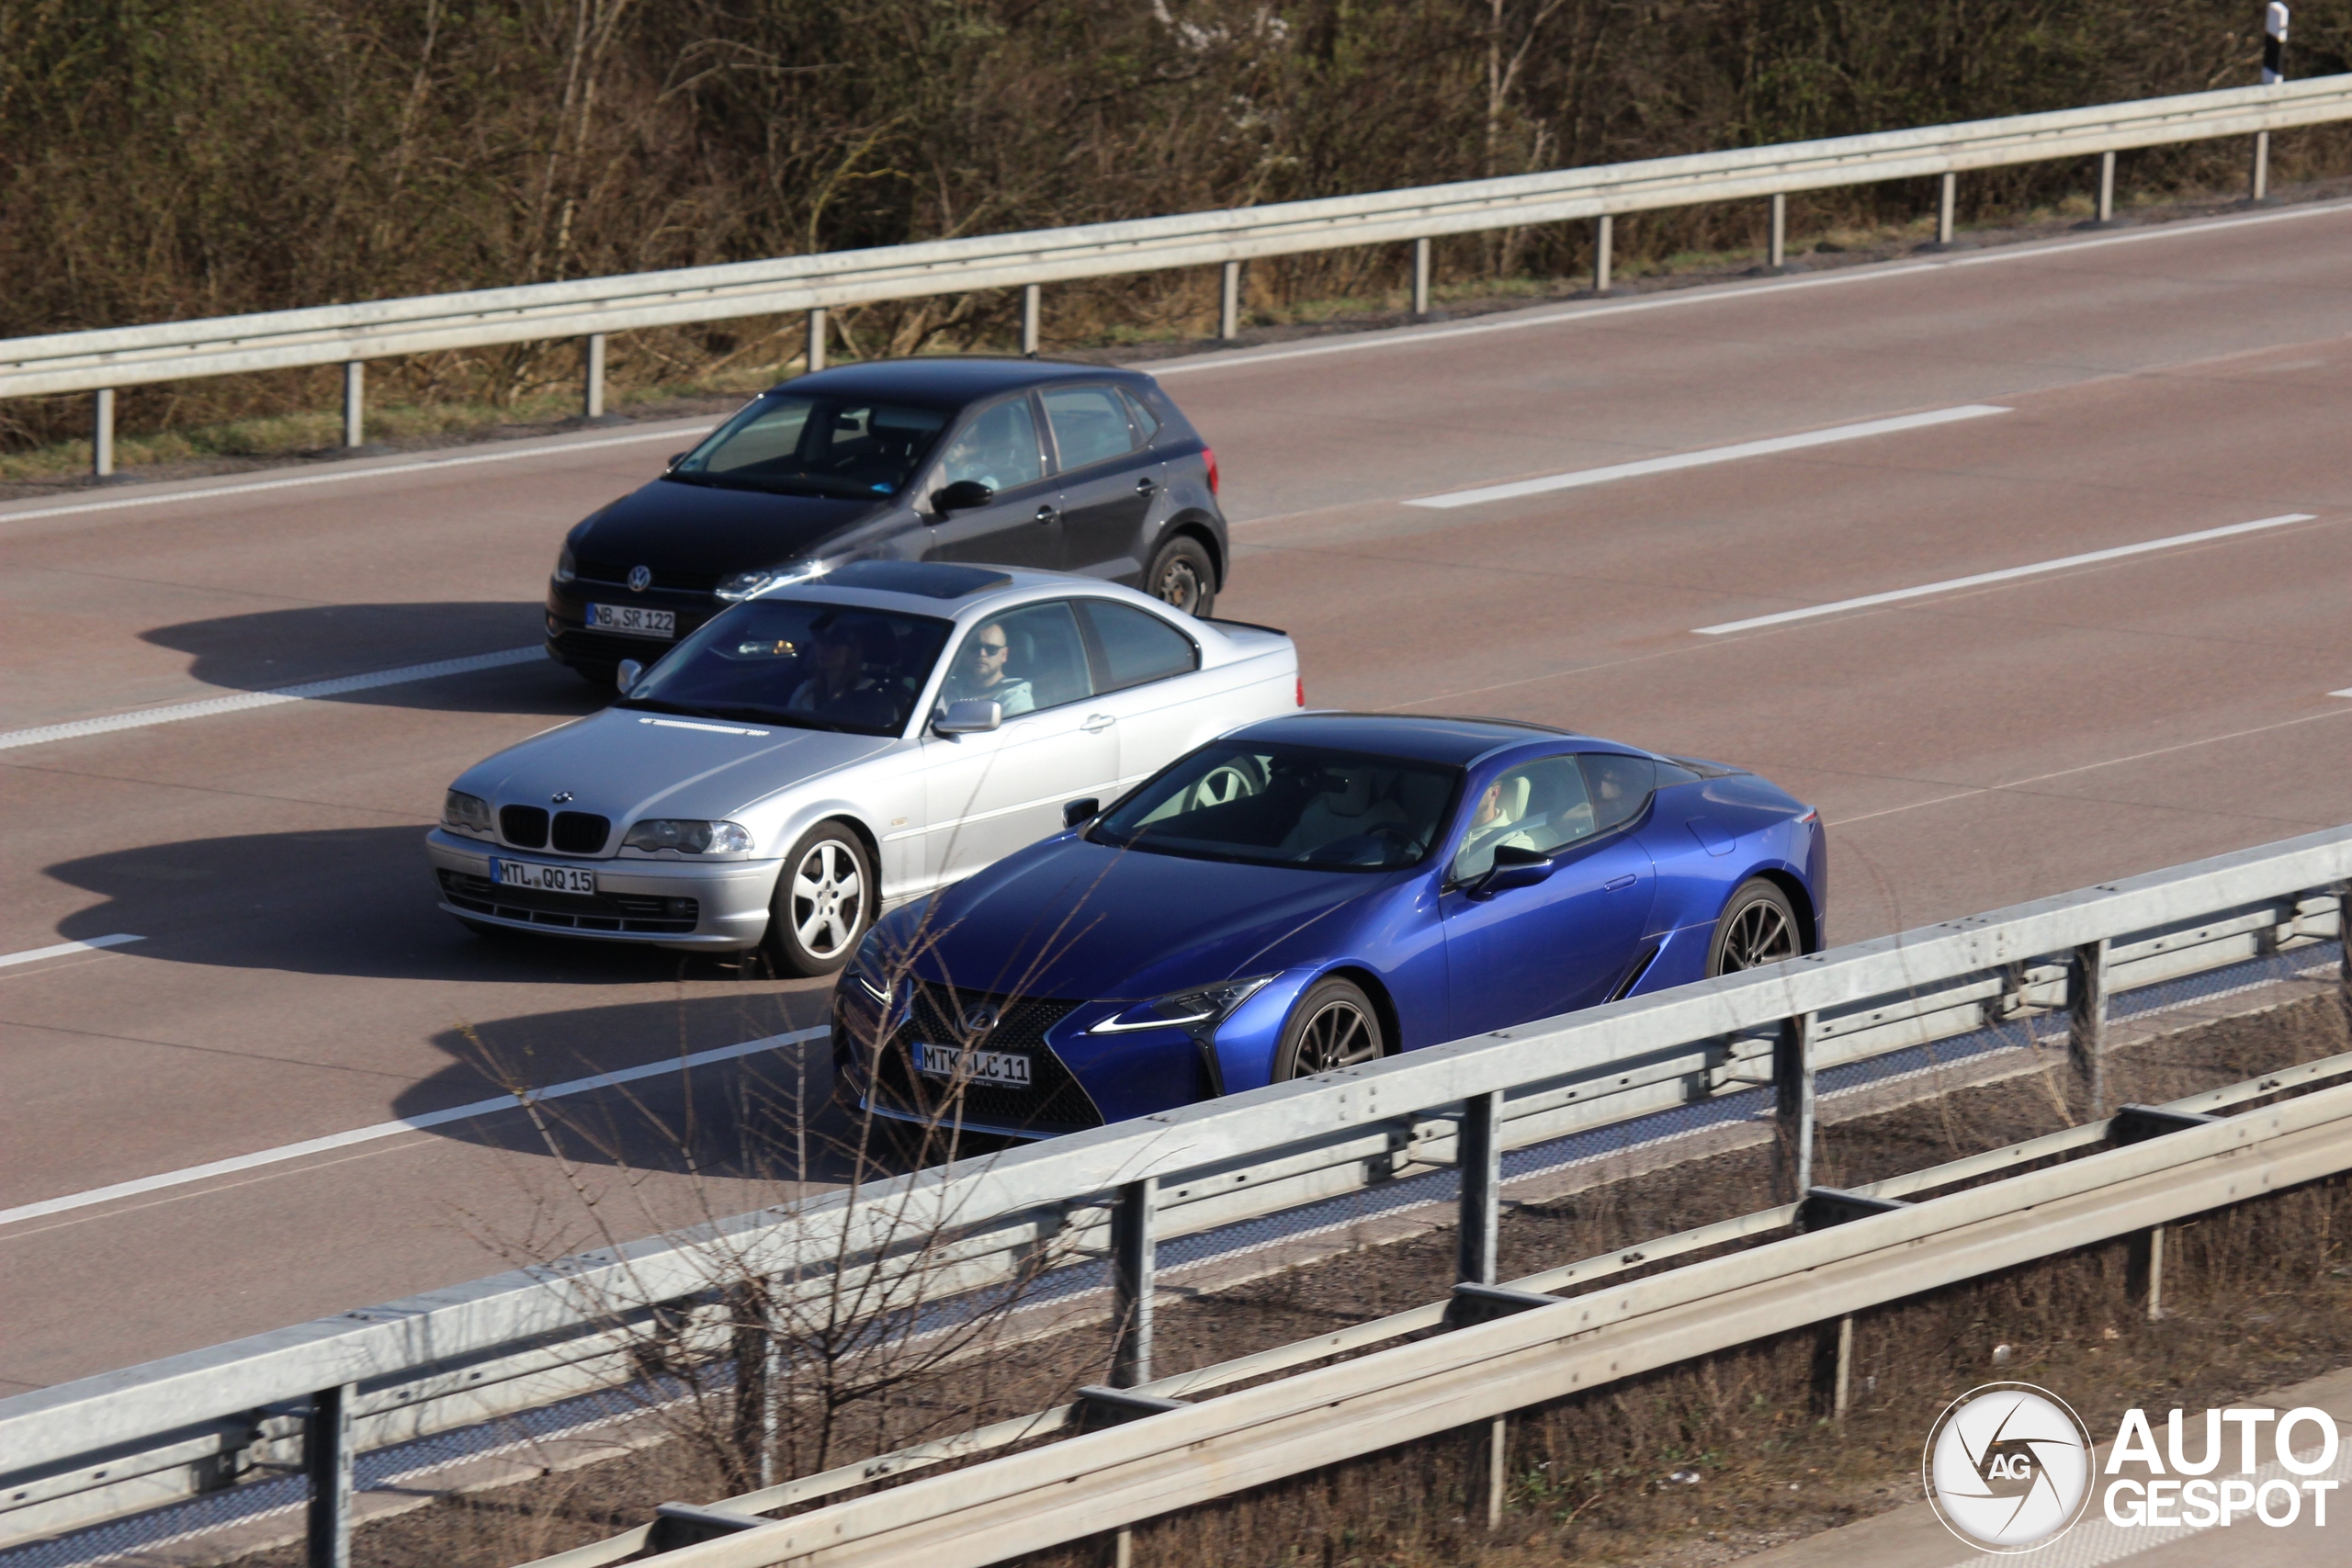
(961, 496)
(1076, 811)
(1513, 867)
(629, 673)
(971, 715)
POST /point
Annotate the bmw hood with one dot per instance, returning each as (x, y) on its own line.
(627, 764)
(1071, 918)
(677, 528)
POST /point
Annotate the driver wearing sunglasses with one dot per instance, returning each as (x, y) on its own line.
(981, 671)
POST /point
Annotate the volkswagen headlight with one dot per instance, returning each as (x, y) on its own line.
(566, 569)
(751, 584)
(688, 836)
(466, 813)
(1197, 1010)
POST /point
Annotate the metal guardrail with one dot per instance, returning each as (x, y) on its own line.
(190, 1422)
(104, 360)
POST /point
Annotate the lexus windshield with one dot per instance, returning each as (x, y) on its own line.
(789, 661)
(849, 448)
(1287, 806)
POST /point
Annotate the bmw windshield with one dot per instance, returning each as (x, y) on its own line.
(810, 665)
(1272, 805)
(852, 448)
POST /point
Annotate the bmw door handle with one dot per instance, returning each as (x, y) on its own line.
(1046, 513)
(1096, 723)
(1614, 886)
(1144, 485)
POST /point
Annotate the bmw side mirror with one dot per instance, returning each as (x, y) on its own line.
(971, 715)
(675, 458)
(627, 675)
(961, 496)
(1076, 811)
(1513, 867)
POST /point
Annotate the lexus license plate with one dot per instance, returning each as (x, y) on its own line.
(632, 620)
(961, 1064)
(542, 878)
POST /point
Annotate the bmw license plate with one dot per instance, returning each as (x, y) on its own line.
(632, 620)
(542, 878)
(963, 1065)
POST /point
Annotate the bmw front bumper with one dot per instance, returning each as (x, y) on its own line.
(720, 906)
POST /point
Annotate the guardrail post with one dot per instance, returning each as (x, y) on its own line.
(326, 1463)
(1131, 1269)
(2258, 182)
(1032, 300)
(354, 402)
(1604, 240)
(102, 434)
(2344, 939)
(1776, 254)
(2144, 1272)
(1843, 1396)
(2087, 1022)
(1946, 200)
(1792, 1108)
(1478, 1157)
(1420, 278)
(1228, 304)
(592, 375)
(816, 340)
(2107, 187)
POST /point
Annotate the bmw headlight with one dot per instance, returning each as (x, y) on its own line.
(688, 836)
(566, 569)
(1203, 1009)
(466, 813)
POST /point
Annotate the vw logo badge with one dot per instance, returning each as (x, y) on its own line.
(560, 797)
(979, 1018)
(640, 577)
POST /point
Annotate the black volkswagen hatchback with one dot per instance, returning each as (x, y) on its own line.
(1014, 462)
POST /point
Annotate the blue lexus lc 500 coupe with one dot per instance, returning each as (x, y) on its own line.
(1312, 892)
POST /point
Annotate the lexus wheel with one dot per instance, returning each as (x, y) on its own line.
(824, 900)
(1183, 575)
(1333, 1026)
(1757, 927)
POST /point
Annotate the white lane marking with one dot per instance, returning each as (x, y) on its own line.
(35, 954)
(2003, 575)
(139, 718)
(2347, 691)
(428, 1120)
(1710, 294)
(1709, 454)
(422, 466)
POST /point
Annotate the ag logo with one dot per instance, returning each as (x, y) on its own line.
(2008, 1467)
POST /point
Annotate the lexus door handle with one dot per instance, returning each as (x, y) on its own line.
(1144, 485)
(1046, 514)
(1096, 723)
(1614, 886)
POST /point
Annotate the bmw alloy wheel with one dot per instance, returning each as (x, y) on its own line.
(823, 901)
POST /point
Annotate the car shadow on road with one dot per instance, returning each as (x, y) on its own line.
(271, 649)
(349, 901)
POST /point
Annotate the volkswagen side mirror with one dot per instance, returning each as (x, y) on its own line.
(961, 496)
(971, 715)
(1076, 811)
(629, 673)
(1513, 867)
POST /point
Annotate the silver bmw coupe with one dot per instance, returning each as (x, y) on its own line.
(832, 748)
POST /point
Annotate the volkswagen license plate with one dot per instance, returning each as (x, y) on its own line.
(632, 620)
(542, 878)
(960, 1064)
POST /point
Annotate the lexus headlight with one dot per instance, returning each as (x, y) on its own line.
(566, 569)
(751, 584)
(871, 970)
(689, 836)
(466, 813)
(1202, 1009)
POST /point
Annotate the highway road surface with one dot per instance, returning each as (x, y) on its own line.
(2027, 565)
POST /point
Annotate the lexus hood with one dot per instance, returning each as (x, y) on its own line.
(627, 764)
(1071, 919)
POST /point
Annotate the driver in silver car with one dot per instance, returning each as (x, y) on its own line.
(984, 672)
